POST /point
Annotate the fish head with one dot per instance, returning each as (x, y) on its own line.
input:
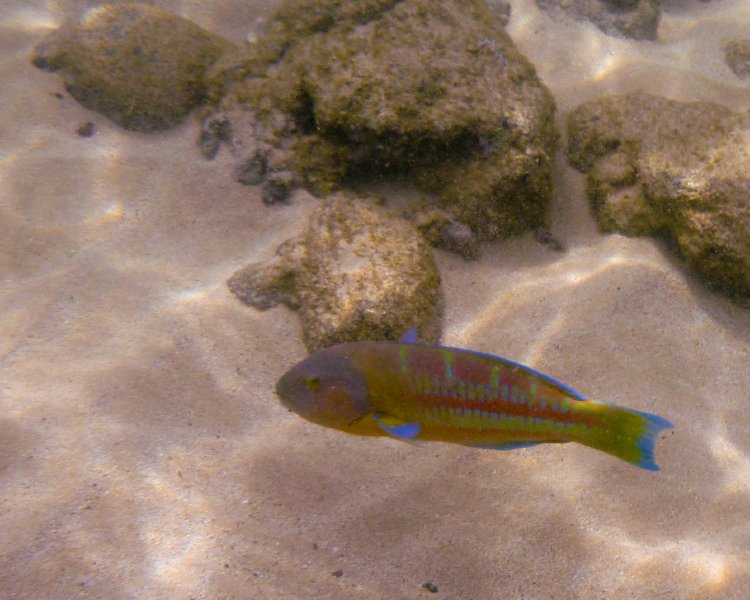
(326, 389)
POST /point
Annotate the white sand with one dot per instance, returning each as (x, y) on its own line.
(143, 453)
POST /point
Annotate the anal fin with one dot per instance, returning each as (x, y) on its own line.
(516, 445)
(513, 446)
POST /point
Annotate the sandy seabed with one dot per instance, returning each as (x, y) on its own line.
(143, 453)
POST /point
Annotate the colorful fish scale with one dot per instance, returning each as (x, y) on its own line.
(413, 391)
(470, 392)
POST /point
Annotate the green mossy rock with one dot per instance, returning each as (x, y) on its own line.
(658, 166)
(141, 67)
(357, 273)
(344, 92)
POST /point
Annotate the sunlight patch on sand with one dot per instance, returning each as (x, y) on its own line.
(549, 331)
(196, 295)
(177, 544)
(559, 280)
(27, 18)
(111, 213)
(706, 567)
(735, 464)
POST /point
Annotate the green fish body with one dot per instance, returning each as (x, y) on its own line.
(422, 392)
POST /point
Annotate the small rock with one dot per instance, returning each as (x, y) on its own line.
(214, 133)
(252, 171)
(442, 231)
(657, 166)
(544, 236)
(266, 286)
(637, 19)
(501, 8)
(737, 56)
(141, 67)
(86, 130)
(277, 187)
(356, 273)
(622, 4)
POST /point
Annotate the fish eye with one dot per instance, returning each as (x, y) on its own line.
(313, 383)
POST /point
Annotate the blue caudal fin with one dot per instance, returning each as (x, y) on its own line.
(647, 440)
(624, 432)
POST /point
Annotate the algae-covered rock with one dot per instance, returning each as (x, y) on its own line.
(141, 67)
(356, 273)
(658, 166)
(442, 230)
(637, 19)
(737, 57)
(341, 92)
(502, 9)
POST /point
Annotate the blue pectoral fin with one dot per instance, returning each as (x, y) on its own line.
(410, 337)
(397, 428)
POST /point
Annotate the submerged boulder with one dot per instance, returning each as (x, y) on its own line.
(637, 19)
(337, 93)
(141, 67)
(737, 57)
(355, 273)
(658, 166)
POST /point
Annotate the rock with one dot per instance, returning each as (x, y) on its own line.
(356, 273)
(277, 187)
(737, 56)
(637, 19)
(501, 8)
(342, 92)
(87, 129)
(266, 286)
(544, 236)
(441, 230)
(622, 4)
(658, 166)
(141, 67)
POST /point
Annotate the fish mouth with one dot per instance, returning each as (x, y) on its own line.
(280, 388)
(283, 389)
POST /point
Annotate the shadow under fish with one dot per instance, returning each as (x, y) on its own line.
(414, 391)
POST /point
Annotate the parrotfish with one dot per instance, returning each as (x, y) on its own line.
(414, 391)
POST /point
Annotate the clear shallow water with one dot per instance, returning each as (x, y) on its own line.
(144, 454)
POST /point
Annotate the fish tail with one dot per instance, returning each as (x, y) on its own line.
(622, 432)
